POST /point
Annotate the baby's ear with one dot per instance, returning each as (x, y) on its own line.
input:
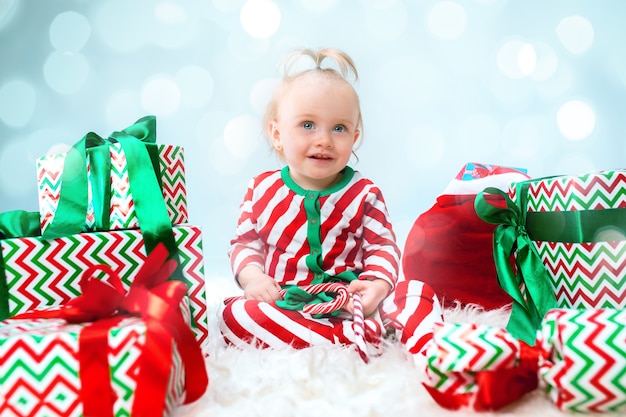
(274, 133)
(357, 134)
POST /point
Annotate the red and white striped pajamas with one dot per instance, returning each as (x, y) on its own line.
(303, 237)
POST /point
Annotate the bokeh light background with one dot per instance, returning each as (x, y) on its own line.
(533, 84)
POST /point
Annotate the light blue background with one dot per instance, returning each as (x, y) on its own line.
(533, 84)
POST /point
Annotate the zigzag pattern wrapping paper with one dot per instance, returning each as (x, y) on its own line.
(581, 358)
(40, 375)
(122, 209)
(46, 272)
(590, 274)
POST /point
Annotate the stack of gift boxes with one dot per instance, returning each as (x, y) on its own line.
(39, 371)
(560, 253)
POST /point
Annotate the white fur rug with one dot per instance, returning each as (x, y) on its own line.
(333, 381)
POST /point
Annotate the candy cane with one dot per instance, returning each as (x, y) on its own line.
(359, 327)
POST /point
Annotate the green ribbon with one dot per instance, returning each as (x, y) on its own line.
(17, 223)
(511, 239)
(138, 144)
(577, 226)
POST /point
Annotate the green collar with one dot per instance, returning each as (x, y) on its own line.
(348, 173)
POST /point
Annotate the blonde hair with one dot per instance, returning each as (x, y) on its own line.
(345, 70)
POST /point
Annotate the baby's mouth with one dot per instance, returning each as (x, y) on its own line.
(320, 156)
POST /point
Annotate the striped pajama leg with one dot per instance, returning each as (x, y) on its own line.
(412, 310)
(251, 322)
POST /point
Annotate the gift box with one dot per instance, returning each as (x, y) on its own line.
(41, 272)
(40, 372)
(578, 227)
(109, 190)
(578, 360)
(108, 352)
(560, 242)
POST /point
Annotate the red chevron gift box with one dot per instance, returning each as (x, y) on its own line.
(579, 360)
(109, 188)
(107, 352)
(41, 272)
(567, 235)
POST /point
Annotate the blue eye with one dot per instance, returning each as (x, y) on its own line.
(307, 125)
(340, 128)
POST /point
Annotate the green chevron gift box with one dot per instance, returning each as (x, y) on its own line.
(567, 235)
(578, 360)
(41, 372)
(109, 183)
(108, 352)
(39, 272)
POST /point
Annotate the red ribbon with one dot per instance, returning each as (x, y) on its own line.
(156, 300)
(496, 388)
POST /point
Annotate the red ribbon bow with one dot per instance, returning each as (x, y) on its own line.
(157, 301)
(496, 388)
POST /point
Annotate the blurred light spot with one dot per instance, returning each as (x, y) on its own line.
(160, 97)
(120, 104)
(222, 160)
(66, 72)
(123, 25)
(261, 94)
(318, 6)
(425, 146)
(546, 62)
(386, 19)
(516, 59)
(574, 164)
(246, 48)
(17, 103)
(55, 139)
(196, 86)
(170, 13)
(260, 18)
(527, 59)
(576, 120)
(447, 20)
(69, 32)
(479, 136)
(609, 234)
(58, 148)
(576, 34)
(241, 136)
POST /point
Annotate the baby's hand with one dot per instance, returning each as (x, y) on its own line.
(372, 294)
(257, 285)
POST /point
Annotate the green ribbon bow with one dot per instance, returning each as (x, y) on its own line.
(296, 298)
(138, 143)
(511, 239)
